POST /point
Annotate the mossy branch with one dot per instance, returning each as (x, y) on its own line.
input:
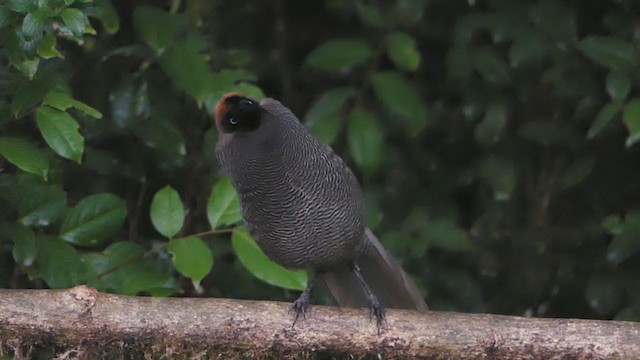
(84, 323)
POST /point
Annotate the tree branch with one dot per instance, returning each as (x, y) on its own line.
(81, 322)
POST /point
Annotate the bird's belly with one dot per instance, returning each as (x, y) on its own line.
(303, 236)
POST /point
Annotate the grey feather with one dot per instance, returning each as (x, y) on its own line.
(305, 208)
(384, 275)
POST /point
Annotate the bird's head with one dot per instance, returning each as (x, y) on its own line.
(236, 112)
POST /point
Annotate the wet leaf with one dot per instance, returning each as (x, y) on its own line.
(402, 50)
(324, 119)
(60, 131)
(94, 219)
(396, 93)
(631, 118)
(339, 54)
(191, 257)
(610, 51)
(604, 117)
(223, 207)
(58, 263)
(366, 139)
(167, 212)
(254, 260)
(24, 155)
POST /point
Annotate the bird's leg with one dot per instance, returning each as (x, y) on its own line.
(301, 304)
(375, 308)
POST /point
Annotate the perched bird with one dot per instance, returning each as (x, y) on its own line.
(305, 208)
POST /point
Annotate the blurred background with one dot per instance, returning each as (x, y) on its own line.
(497, 143)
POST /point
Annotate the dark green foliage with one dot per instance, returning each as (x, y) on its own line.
(497, 143)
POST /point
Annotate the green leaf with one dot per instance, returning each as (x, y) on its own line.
(374, 210)
(105, 11)
(490, 66)
(576, 173)
(528, 48)
(60, 131)
(94, 219)
(327, 127)
(445, 234)
(459, 62)
(24, 155)
(6, 16)
(402, 50)
(500, 175)
(24, 242)
(187, 69)
(44, 205)
(555, 19)
(339, 54)
(34, 23)
(76, 21)
(155, 27)
(97, 264)
(630, 313)
(395, 92)
(324, 117)
(248, 90)
(125, 270)
(604, 117)
(627, 242)
(191, 257)
(613, 224)
(47, 48)
(124, 251)
(129, 103)
(31, 93)
(167, 212)
(369, 13)
(62, 101)
(631, 118)
(152, 282)
(223, 207)
(254, 260)
(28, 68)
(467, 26)
(408, 12)
(22, 6)
(160, 132)
(618, 85)
(610, 51)
(58, 263)
(366, 139)
(489, 130)
(5, 112)
(506, 23)
(121, 268)
(603, 294)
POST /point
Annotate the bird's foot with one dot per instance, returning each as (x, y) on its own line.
(375, 309)
(300, 306)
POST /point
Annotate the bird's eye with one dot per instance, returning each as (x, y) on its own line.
(233, 120)
(246, 102)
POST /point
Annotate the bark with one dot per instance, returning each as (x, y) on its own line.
(83, 323)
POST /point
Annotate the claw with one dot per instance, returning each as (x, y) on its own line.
(375, 309)
(300, 306)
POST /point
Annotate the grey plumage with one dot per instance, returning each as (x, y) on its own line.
(303, 205)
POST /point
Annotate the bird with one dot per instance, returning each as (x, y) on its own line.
(305, 208)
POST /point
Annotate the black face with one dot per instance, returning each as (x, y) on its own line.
(243, 114)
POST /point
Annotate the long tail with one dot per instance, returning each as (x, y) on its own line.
(381, 271)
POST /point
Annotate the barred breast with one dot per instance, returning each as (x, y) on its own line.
(299, 200)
